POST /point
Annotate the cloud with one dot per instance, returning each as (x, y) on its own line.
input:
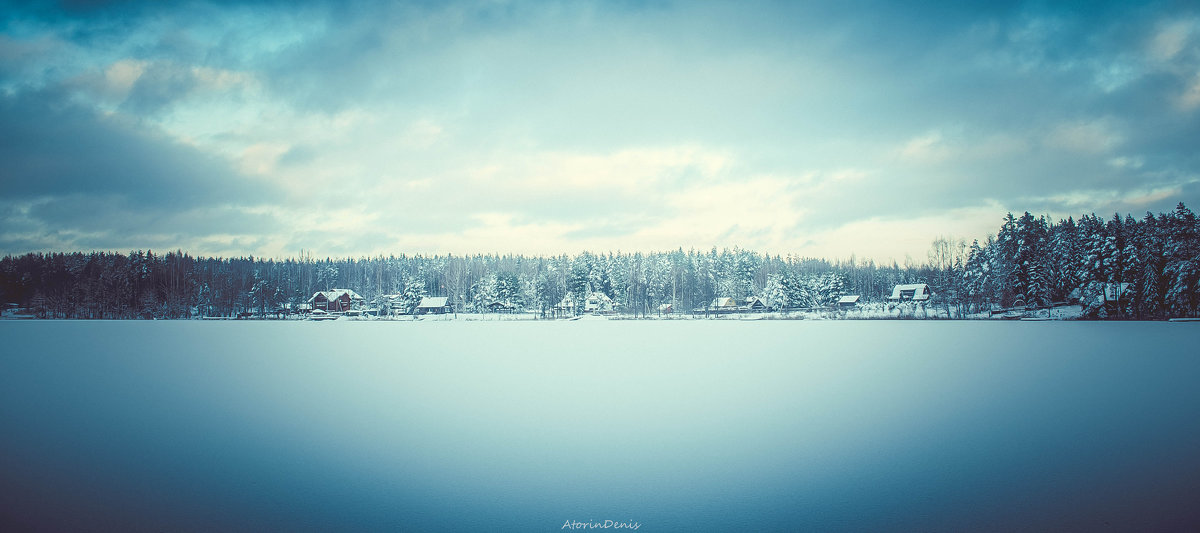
(112, 222)
(887, 239)
(543, 126)
(71, 171)
(926, 148)
(1096, 136)
(1172, 38)
(1190, 99)
(50, 148)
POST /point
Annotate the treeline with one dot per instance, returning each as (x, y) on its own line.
(1031, 260)
(177, 285)
(1152, 265)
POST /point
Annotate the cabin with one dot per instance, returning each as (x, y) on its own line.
(501, 307)
(434, 305)
(753, 303)
(336, 300)
(916, 292)
(724, 304)
(848, 301)
(666, 309)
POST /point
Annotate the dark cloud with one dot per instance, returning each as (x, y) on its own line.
(74, 177)
(111, 222)
(158, 87)
(50, 147)
(121, 216)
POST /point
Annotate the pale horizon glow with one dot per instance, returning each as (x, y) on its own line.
(544, 128)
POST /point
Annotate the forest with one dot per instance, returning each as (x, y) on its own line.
(1031, 260)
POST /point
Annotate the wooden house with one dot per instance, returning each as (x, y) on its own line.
(501, 307)
(724, 304)
(336, 300)
(753, 303)
(434, 305)
(848, 301)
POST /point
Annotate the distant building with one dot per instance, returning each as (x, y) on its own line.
(434, 305)
(753, 303)
(567, 305)
(598, 302)
(666, 309)
(848, 301)
(336, 300)
(501, 307)
(724, 304)
(916, 292)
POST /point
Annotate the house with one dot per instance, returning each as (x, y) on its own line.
(753, 303)
(597, 302)
(666, 309)
(724, 304)
(336, 300)
(917, 292)
(434, 305)
(500, 307)
(567, 305)
(848, 301)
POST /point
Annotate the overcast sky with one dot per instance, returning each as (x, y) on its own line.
(815, 129)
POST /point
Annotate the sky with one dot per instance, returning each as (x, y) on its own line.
(817, 129)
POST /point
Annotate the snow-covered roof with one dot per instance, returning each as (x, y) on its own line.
(920, 291)
(333, 294)
(433, 302)
(724, 302)
(849, 299)
(353, 295)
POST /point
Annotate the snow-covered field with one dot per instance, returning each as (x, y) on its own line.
(818, 425)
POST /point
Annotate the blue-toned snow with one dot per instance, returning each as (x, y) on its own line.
(677, 425)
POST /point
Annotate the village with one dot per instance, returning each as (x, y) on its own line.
(906, 301)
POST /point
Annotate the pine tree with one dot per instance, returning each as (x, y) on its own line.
(1004, 279)
(1184, 270)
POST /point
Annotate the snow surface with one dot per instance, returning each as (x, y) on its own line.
(810, 425)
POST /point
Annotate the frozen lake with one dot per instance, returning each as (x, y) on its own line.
(524, 426)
